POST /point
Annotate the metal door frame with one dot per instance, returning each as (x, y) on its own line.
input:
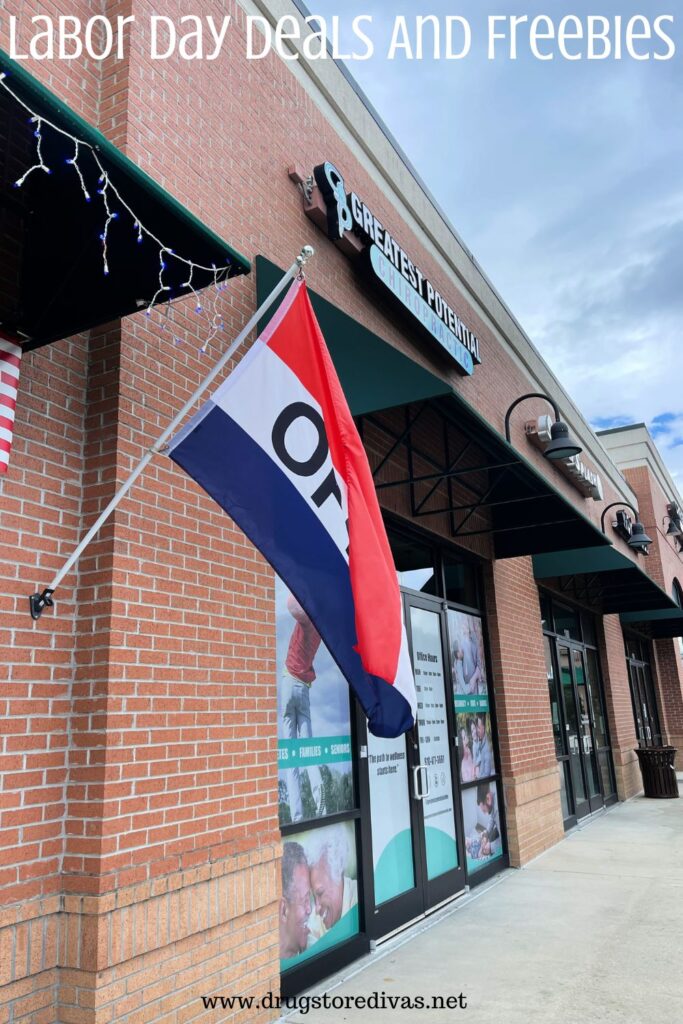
(426, 894)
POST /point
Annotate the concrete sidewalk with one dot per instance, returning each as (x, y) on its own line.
(590, 931)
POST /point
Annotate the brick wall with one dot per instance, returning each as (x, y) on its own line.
(619, 706)
(665, 563)
(531, 782)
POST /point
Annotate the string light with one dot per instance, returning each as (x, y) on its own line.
(76, 166)
(38, 132)
(107, 189)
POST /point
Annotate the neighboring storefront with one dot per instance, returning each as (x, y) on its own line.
(193, 793)
(578, 709)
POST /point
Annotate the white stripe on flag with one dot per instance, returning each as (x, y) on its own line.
(262, 373)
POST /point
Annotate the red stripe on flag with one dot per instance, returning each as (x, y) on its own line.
(298, 341)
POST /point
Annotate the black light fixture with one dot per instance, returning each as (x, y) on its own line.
(562, 444)
(675, 527)
(632, 530)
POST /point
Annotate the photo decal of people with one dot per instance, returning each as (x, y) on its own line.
(319, 903)
(475, 746)
(481, 817)
(468, 661)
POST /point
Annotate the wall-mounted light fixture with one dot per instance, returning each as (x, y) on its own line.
(632, 530)
(675, 527)
(562, 444)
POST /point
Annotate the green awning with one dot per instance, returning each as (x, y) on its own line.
(523, 511)
(373, 374)
(609, 580)
(659, 624)
(53, 280)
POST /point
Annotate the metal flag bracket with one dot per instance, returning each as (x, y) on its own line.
(38, 602)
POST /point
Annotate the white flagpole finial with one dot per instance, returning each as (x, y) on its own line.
(305, 255)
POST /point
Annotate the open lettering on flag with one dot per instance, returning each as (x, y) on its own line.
(277, 448)
(10, 360)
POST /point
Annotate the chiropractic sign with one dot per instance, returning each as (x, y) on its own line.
(347, 218)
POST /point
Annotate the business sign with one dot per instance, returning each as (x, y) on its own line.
(347, 218)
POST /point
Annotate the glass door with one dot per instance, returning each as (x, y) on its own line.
(644, 708)
(432, 775)
(580, 728)
(573, 731)
(586, 723)
(414, 862)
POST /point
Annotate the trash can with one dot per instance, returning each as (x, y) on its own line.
(657, 769)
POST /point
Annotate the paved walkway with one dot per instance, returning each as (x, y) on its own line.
(591, 931)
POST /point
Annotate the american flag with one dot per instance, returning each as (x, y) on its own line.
(10, 359)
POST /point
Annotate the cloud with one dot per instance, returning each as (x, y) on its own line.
(564, 179)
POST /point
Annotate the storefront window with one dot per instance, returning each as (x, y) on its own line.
(415, 563)
(392, 841)
(589, 633)
(460, 580)
(481, 818)
(319, 903)
(470, 694)
(475, 739)
(577, 709)
(567, 621)
(546, 613)
(315, 775)
(554, 704)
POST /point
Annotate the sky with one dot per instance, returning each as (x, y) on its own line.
(565, 179)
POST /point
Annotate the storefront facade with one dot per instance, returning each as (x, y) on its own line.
(190, 801)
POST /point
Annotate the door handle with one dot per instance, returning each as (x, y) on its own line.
(418, 792)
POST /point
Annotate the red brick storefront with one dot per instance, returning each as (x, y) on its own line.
(139, 834)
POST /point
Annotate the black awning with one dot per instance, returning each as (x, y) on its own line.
(453, 464)
(52, 280)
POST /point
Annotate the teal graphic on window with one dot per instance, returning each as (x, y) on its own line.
(314, 729)
(392, 840)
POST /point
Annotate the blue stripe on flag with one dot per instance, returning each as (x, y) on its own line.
(238, 474)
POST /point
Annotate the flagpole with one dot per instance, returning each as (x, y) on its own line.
(39, 601)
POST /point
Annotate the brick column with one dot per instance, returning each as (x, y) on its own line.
(531, 782)
(668, 672)
(619, 707)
